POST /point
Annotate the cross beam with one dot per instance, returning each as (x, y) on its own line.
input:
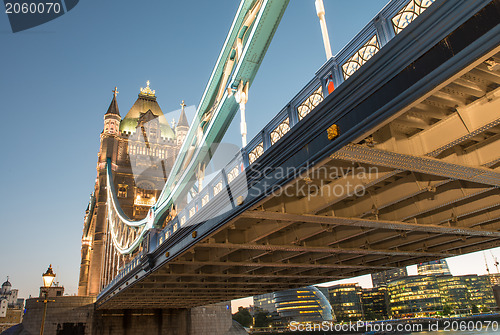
(312, 249)
(364, 154)
(392, 225)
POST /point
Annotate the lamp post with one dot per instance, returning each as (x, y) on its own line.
(48, 278)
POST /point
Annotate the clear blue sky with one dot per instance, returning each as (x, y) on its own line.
(56, 84)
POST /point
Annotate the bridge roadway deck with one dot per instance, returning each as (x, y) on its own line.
(421, 120)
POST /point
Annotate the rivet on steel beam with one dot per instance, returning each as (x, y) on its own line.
(136, 277)
(194, 234)
(333, 131)
(167, 254)
(240, 200)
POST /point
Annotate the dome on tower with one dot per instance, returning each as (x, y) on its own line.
(6, 286)
(144, 103)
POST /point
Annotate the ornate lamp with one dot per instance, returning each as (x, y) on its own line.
(48, 277)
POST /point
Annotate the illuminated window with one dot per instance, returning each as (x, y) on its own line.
(232, 174)
(280, 131)
(366, 52)
(409, 13)
(310, 103)
(122, 190)
(217, 188)
(205, 200)
(256, 152)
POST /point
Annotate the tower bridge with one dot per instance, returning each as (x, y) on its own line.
(388, 157)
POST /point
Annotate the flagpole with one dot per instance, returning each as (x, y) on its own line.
(320, 10)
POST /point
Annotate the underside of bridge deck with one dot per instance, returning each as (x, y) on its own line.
(409, 191)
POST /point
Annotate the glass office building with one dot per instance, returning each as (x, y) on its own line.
(303, 305)
(384, 277)
(434, 268)
(345, 300)
(455, 293)
(414, 296)
(375, 303)
(480, 291)
(265, 302)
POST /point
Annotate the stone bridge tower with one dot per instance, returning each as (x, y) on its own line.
(142, 147)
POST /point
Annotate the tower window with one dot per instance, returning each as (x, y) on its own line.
(122, 190)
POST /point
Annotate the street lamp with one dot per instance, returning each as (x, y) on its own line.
(48, 278)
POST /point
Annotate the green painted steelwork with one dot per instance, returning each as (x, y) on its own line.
(244, 49)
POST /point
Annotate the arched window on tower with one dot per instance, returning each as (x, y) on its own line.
(145, 194)
(122, 190)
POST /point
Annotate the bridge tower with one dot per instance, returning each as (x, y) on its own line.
(142, 147)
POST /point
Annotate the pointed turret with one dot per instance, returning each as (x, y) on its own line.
(113, 106)
(183, 122)
(112, 117)
(182, 126)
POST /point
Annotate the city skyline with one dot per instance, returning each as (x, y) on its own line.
(456, 265)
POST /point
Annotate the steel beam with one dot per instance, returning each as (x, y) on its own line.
(391, 225)
(427, 165)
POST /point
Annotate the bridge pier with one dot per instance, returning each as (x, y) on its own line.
(77, 315)
(214, 319)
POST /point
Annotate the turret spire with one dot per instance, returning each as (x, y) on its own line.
(112, 117)
(182, 125)
(113, 106)
(183, 122)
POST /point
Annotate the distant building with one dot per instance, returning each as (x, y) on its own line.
(323, 290)
(306, 304)
(428, 295)
(3, 307)
(265, 302)
(480, 292)
(496, 294)
(11, 307)
(495, 279)
(414, 296)
(375, 303)
(345, 300)
(434, 268)
(10, 294)
(383, 278)
(455, 293)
